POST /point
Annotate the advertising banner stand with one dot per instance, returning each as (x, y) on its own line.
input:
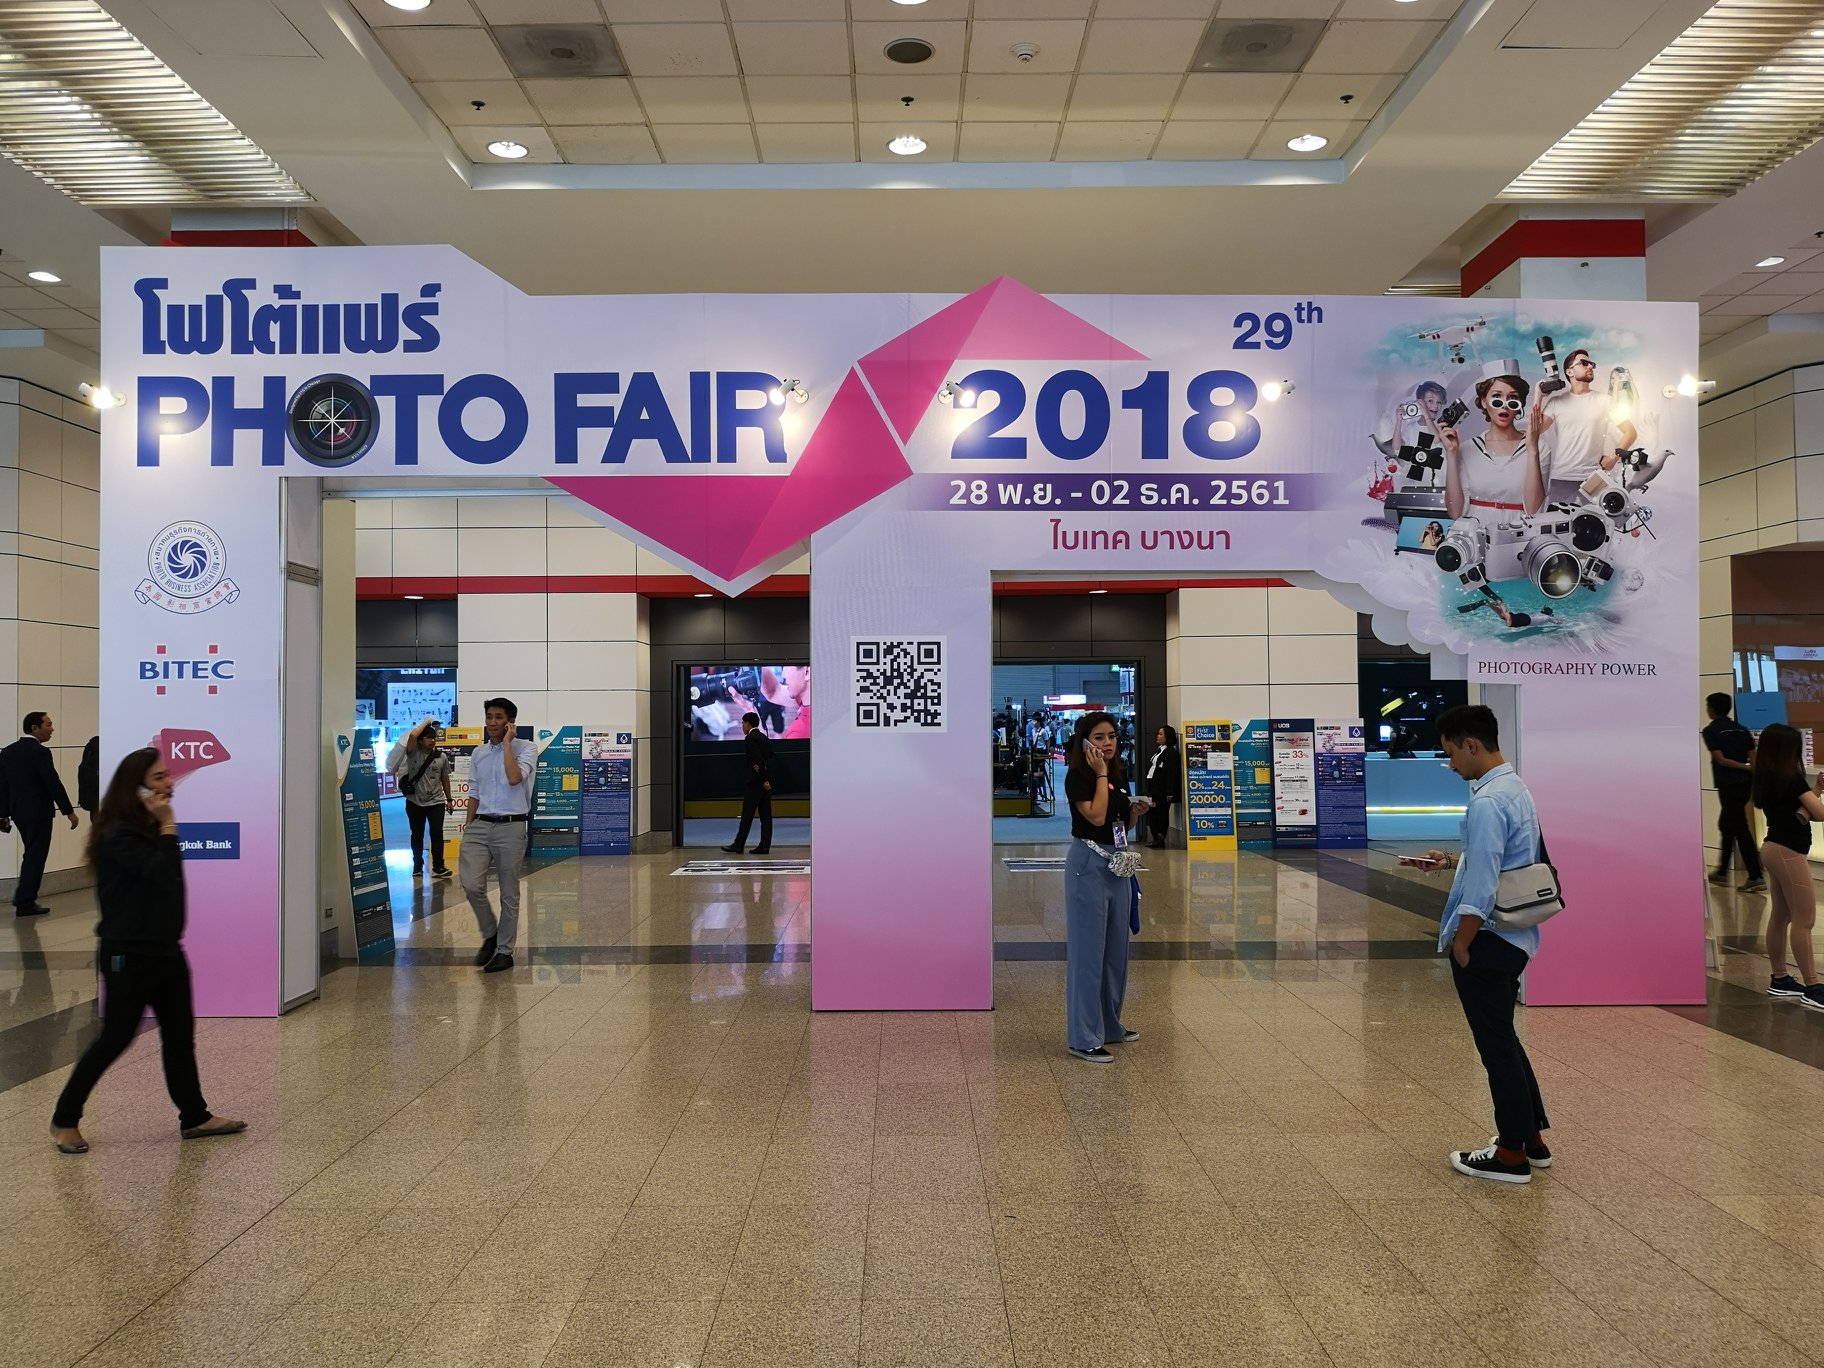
(557, 792)
(607, 791)
(1294, 782)
(1109, 434)
(364, 841)
(1209, 781)
(1342, 784)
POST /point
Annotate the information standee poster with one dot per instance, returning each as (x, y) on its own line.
(1253, 783)
(557, 792)
(364, 841)
(607, 791)
(459, 743)
(1294, 782)
(1209, 784)
(1342, 783)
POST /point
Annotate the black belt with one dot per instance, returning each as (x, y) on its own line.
(495, 817)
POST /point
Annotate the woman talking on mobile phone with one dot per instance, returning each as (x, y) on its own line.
(1098, 894)
(139, 882)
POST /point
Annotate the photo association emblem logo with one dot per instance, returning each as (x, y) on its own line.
(187, 570)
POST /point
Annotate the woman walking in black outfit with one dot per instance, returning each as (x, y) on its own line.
(139, 882)
(1164, 781)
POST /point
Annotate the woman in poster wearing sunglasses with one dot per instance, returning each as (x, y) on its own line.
(1498, 474)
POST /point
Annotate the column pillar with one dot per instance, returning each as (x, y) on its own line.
(1543, 253)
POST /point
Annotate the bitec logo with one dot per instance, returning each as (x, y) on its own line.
(165, 669)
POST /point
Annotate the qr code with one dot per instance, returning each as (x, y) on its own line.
(899, 682)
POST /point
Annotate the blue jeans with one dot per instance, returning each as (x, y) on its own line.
(1096, 905)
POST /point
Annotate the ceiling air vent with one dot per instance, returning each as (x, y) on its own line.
(560, 50)
(909, 51)
(1257, 44)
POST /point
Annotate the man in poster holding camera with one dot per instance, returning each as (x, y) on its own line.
(1578, 418)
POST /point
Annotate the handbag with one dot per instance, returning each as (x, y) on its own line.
(1527, 895)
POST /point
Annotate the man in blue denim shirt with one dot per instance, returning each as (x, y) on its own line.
(1500, 831)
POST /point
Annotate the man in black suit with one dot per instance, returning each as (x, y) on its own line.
(29, 787)
(758, 757)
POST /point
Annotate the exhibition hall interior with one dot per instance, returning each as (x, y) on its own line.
(1305, 519)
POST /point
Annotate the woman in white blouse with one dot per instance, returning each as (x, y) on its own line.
(1498, 471)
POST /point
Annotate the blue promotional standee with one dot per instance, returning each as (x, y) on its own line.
(607, 792)
(1342, 783)
(1294, 782)
(1253, 783)
(557, 792)
(365, 841)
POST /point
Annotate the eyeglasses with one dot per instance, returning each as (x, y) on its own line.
(1584, 361)
(1510, 402)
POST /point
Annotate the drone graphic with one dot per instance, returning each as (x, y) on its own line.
(1454, 340)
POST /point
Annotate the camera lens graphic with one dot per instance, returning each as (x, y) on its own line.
(332, 420)
(1550, 565)
(186, 560)
(1614, 502)
(1588, 532)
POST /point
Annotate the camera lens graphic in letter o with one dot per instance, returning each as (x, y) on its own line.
(332, 420)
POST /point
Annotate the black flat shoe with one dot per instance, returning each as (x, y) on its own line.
(35, 910)
(761, 850)
(734, 850)
(486, 953)
(498, 963)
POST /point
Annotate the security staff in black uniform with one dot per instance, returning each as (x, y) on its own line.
(758, 794)
(29, 787)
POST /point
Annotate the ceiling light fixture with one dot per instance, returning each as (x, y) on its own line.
(1098, 591)
(1308, 142)
(908, 2)
(412, 598)
(410, 6)
(1275, 390)
(1688, 387)
(907, 145)
(507, 148)
(1770, 261)
(44, 277)
(702, 595)
(795, 388)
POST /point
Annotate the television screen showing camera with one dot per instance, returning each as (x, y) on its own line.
(716, 697)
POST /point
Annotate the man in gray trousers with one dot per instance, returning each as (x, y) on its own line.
(500, 803)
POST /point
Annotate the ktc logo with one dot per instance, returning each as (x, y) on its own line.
(185, 752)
(188, 570)
(165, 669)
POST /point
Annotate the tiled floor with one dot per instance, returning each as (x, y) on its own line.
(640, 1147)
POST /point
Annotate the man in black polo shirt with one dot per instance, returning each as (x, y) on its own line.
(1731, 747)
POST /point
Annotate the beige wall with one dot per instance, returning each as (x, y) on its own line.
(1761, 485)
(1243, 653)
(50, 477)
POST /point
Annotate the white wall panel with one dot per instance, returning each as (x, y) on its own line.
(1222, 612)
(501, 550)
(501, 667)
(501, 617)
(1293, 610)
(422, 551)
(1311, 659)
(1219, 660)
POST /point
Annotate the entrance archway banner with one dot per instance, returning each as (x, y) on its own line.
(1437, 455)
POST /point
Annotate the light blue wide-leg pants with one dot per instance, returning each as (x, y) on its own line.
(1096, 909)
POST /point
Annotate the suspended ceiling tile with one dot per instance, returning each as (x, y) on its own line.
(1199, 140)
(1231, 95)
(53, 318)
(444, 13)
(1200, 10)
(537, 11)
(1059, 41)
(616, 145)
(707, 144)
(1272, 145)
(801, 99)
(766, 11)
(535, 139)
(676, 49)
(1163, 45)
(940, 139)
(24, 297)
(948, 39)
(1321, 97)
(1742, 283)
(1032, 9)
(792, 49)
(445, 54)
(1025, 98)
(934, 98)
(1008, 142)
(1370, 45)
(1754, 306)
(592, 100)
(692, 99)
(243, 30)
(1092, 141)
(807, 142)
(1790, 282)
(1575, 25)
(1276, 9)
(1414, 9)
(1811, 304)
(7, 320)
(83, 337)
(1812, 244)
(884, 10)
(1710, 302)
(502, 102)
(621, 12)
(1807, 256)
(1122, 98)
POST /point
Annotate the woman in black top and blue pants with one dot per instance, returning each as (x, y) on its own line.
(1783, 792)
(139, 882)
(1097, 902)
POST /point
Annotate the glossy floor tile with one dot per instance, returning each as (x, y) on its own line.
(640, 1147)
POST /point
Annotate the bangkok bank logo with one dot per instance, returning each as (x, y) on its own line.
(187, 570)
(165, 669)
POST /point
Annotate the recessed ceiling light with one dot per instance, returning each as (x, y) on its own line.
(702, 595)
(907, 145)
(1307, 142)
(1098, 591)
(908, 2)
(45, 277)
(411, 5)
(507, 148)
(1771, 261)
(411, 598)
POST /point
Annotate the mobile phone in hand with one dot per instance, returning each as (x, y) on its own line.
(1420, 861)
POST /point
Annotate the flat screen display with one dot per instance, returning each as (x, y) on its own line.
(715, 697)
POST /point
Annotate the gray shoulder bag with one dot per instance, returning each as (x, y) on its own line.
(1528, 895)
